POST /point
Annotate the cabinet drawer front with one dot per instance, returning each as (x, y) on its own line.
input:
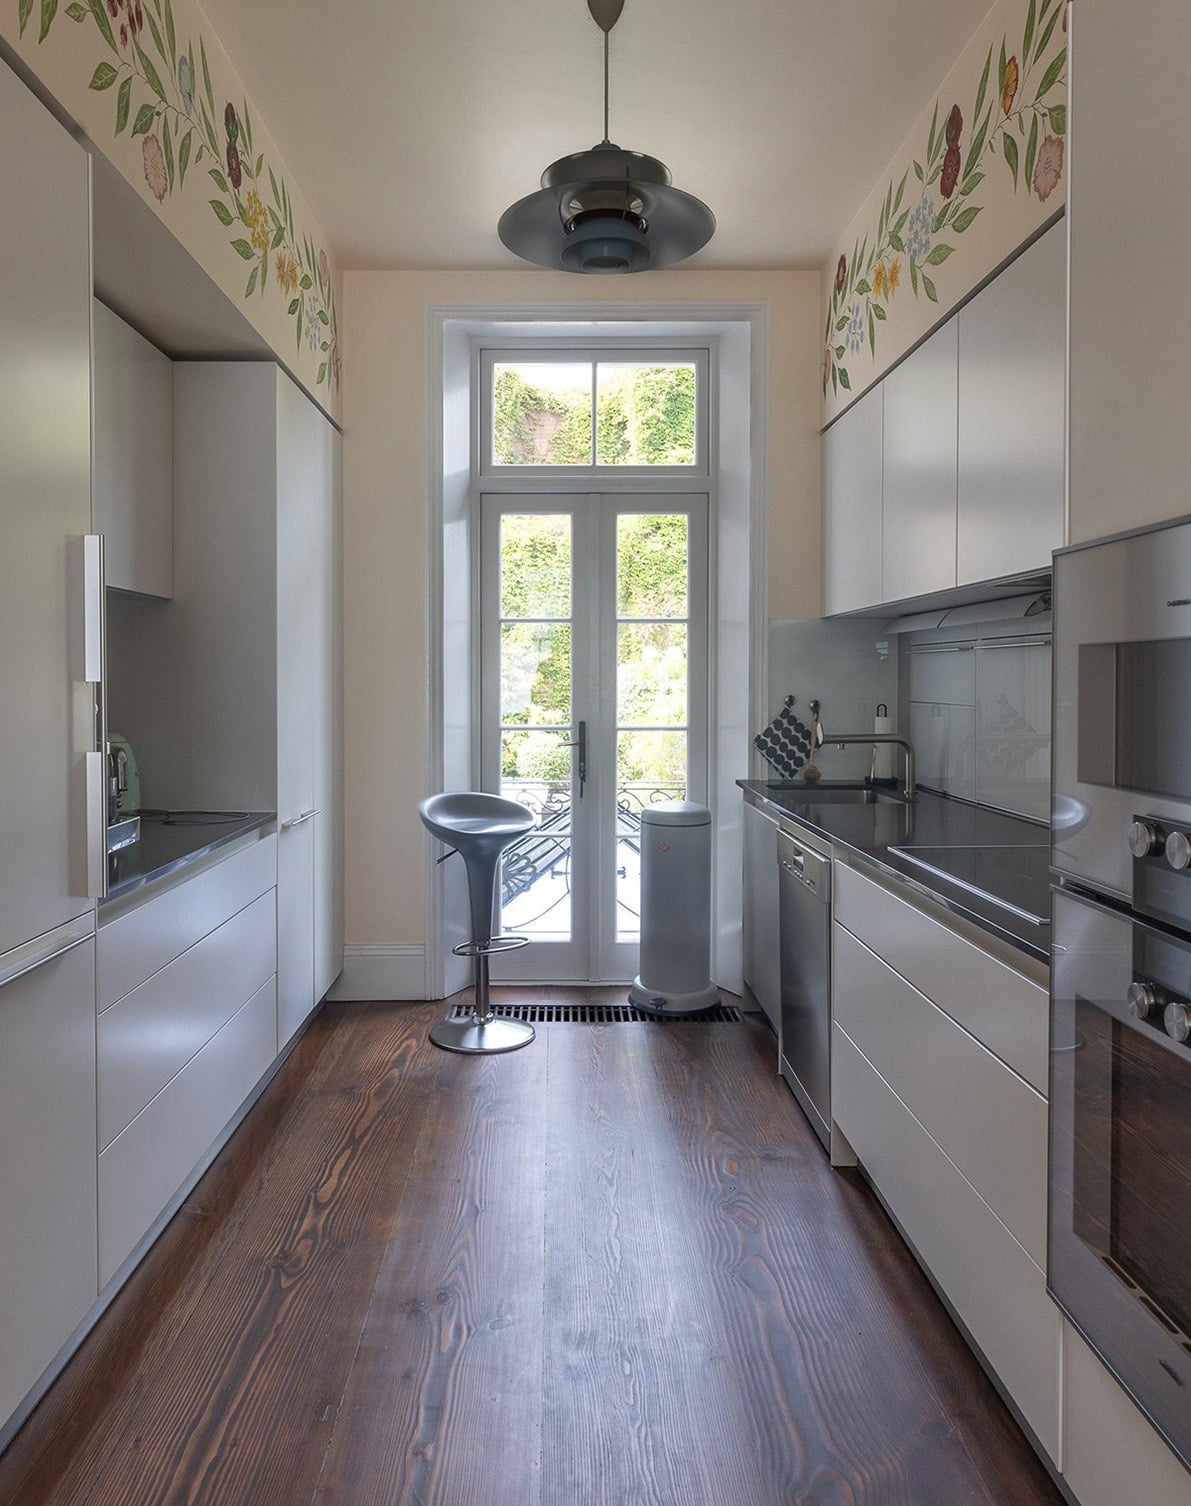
(986, 1119)
(150, 1035)
(143, 1167)
(136, 944)
(1003, 1009)
(994, 1286)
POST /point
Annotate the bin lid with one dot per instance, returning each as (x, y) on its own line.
(675, 813)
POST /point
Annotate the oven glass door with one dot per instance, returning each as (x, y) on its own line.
(1120, 1154)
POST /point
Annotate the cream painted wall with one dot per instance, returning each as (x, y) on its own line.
(386, 491)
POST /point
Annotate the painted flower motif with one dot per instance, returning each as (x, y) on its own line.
(234, 171)
(879, 280)
(256, 217)
(287, 272)
(895, 274)
(324, 269)
(185, 84)
(230, 123)
(156, 175)
(335, 361)
(955, 124)
(920, 229)
(841, 273)
(1009, 92)
(854, 334)
(1048, 169)
(950, 174)
(827, 360)
(313, 328)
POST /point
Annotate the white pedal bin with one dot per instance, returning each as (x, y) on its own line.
(675, 976)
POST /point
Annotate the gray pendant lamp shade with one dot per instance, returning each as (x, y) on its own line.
(606, 210)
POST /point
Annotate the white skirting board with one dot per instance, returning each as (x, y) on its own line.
(381, 972)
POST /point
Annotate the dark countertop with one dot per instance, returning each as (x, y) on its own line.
(1009, 857)
(171, 840)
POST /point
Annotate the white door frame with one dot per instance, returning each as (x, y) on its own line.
(739, 335)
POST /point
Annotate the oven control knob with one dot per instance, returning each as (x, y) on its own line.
(1145, 839)
(1177, 1020)
(1143, 1000)
(1178, 850)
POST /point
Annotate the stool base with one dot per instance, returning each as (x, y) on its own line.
(475, 1036)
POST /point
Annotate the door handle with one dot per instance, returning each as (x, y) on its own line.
(581, 743)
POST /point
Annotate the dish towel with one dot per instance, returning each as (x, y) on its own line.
(786, 743)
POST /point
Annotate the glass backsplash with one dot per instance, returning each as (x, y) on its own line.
(979, 707)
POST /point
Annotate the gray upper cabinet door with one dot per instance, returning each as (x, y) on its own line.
(920, 469)
(133, 457)
(1012, 395)
(852, 507)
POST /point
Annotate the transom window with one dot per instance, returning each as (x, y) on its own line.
(625, 412)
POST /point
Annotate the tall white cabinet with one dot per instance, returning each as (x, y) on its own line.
(47, 949)
(256, 724)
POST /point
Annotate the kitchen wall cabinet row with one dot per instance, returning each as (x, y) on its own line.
(939, 1081)
(951, 470)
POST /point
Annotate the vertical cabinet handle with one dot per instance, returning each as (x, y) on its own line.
(86, 598)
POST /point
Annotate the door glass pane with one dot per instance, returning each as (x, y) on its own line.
(628, 886)
(541, 413)
(645, 413)
(651, 674)
(535, 565)
(651, 564)
(535, 887)
(535, 674)
(649, 766)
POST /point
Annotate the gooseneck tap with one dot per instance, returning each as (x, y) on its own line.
(843, 739)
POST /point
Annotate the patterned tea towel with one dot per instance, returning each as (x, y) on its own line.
(786, 743)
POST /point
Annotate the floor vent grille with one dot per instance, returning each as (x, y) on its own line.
(600, 1014)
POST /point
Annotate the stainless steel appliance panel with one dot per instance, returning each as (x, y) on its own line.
(1120, 1151)
(804, 905)
(1122, 698)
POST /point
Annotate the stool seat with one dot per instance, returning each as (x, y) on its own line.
(479, 826)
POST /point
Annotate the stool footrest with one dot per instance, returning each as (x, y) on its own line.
(489, 948)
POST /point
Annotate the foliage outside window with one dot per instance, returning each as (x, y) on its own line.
(644, 413)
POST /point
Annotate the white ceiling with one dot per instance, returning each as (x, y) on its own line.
(410, 128)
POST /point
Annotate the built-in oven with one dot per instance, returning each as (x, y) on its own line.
(1122, 699)
(1120, 1151)
(1120, 1102)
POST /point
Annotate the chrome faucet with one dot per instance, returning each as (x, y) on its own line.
(842, 740)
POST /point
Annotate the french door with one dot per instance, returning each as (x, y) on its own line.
(594, 706)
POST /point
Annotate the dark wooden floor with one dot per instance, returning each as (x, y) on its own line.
(611, 1268)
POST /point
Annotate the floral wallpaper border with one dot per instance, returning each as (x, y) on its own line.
(162, 94)
(1017, 124)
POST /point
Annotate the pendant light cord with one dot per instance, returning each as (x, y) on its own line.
(605, 86)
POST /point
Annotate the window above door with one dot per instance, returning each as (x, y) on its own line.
(562, 412)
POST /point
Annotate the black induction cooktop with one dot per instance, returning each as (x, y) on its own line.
(1016, 878)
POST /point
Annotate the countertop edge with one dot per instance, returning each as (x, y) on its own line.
(986, 916)
(141, 886)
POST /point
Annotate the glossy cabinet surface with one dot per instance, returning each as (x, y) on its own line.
(852, 504)
(920, 458)
(133, 456)
(47, 1165)
(1012, 401)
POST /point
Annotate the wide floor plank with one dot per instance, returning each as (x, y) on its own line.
(613, 1268)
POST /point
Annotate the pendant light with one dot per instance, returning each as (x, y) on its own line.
(606, 210)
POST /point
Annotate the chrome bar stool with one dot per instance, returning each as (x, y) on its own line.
(479, 827)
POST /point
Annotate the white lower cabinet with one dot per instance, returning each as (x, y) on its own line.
(47, 1165)
(951, 1134)
(190, 1034)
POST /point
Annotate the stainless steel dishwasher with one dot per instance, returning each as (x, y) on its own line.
(804, 1038)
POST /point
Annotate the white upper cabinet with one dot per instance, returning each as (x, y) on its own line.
(918, 530)
(133, 496)
(852, 507)
(1012, 395)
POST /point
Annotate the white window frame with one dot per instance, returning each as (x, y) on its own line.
(594, 352)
